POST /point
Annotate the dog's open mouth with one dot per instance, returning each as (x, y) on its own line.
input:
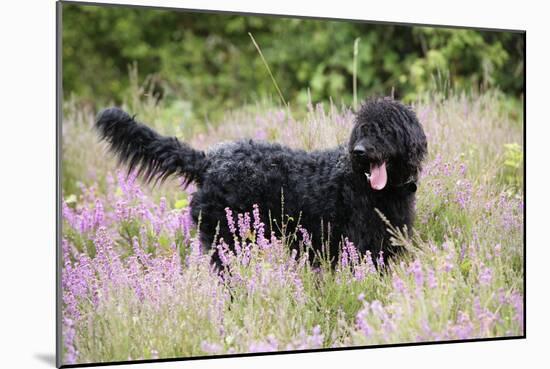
(378, 177)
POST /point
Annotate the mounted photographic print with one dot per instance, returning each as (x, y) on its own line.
(236, 184)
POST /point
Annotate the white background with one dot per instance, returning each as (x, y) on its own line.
(27, 181)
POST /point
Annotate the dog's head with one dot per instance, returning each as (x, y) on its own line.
(387, 143)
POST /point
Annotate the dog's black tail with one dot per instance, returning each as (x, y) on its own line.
(155, 157)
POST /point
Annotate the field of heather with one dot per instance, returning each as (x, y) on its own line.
(135, 284)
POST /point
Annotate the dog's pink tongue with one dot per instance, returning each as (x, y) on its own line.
(378, 176)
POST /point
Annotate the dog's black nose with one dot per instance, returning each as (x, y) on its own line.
(359, 150)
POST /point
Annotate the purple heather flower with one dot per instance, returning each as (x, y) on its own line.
(69, 333)
(497, 249)
(416, 269)
(299, 290)
(122, 211)
(162, 206)
(447, 169)
(306, 238)
(462, 170)
(186, 223)
(427, 330)
(485, 276)
(432, 281)
(361, 321)
(261, 265)
(516, 299)
(261, 134)
(464, 329)
(99, 214)
(399, 285)
(352, 251)
(139, 253)
(135, 276)
(316, 339)
(380, 259)
(211, 348)
(369, 264)
(243, 221)
(259, 229)
(223, 252)
(256, 216)
(270, 345)
(230, 221)
(485, 317)
(68, 214)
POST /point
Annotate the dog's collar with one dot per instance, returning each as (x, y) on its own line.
(409, 185)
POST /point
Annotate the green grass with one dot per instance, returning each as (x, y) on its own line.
(462, 276)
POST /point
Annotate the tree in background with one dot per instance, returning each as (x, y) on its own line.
(210, 62)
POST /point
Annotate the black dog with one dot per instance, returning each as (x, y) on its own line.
(334, 193)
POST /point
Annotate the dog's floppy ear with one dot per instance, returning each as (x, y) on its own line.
(416, 143)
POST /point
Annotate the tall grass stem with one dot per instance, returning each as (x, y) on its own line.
(268, 69)
(355, 53)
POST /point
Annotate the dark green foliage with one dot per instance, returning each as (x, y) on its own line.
(210, 61)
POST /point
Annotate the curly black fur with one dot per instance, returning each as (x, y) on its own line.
(154, 156)
(327, 190)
